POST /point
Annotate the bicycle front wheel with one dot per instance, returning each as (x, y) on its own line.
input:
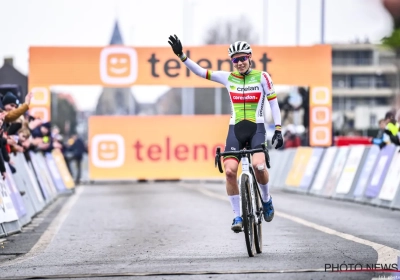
(257, 226)
(247, 215)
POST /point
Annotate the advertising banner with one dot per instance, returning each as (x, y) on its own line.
(63, 169)
(55, 174)
(324, 169)
(336, 171)
(39, 176)
(350, 169)
(14, 193)
(366, 171)
(155, 147)
(311, 168)
(299, 165)
(392, 180)
(125, 66)
(7, 210)
(379, 173)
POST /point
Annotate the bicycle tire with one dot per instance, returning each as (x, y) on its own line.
(258, 227)
(247, 215)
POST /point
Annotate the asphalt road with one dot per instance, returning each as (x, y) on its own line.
(182, 231)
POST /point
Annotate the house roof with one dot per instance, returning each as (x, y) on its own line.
(10, 75)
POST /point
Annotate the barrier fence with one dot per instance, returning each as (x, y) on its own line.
(38, 181)
(359, 173)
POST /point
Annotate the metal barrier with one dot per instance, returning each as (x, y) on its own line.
(37, 182)
(359, 173)
(351, 172)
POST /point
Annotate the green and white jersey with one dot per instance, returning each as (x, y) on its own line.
(247, 93)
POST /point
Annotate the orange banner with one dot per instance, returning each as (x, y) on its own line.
(122, 66)
(155, 147)
(320, 116)
(40, 106)
(63, 169)
(299, 166)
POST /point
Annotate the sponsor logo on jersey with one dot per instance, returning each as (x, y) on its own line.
(269, 83)
(232, 87)
(253, 79)
(247, 88)
(249, 97)
(262, 108)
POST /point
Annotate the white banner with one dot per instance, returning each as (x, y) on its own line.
(392, 181)
(336, 170)
(7, 210)
(350, 169)
(324, 168)
(20, 160)
(41, 165)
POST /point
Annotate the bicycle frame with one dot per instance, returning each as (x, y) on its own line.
(246, 168)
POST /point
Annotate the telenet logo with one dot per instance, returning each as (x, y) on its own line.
(108, 150)
(118, 65)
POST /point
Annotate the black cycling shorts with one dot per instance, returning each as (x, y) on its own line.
(243, 134)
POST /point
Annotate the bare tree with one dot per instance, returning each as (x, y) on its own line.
(229, 31)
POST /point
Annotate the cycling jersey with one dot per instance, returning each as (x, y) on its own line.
(247, 93)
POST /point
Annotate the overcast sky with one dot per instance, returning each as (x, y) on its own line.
(25, 23)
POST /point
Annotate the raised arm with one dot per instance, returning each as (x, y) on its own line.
(269, 91)
(216, 76)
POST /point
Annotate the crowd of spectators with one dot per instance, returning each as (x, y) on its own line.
(21, 132)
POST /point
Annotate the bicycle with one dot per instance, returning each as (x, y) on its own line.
(251, 208)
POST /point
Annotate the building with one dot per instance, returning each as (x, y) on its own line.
(12, 80)
(116, 101)
(363, 84)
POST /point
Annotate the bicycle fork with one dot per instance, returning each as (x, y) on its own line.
(246, 171)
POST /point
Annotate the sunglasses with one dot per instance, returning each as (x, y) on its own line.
(240, 58)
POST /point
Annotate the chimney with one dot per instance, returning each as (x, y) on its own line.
(9, 61)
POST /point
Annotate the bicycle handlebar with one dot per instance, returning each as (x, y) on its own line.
(242, 153)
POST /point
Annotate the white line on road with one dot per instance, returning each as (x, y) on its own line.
(50, 232)
(386, 255)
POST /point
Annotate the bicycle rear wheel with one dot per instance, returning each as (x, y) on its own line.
(257, 226)
(247, 212)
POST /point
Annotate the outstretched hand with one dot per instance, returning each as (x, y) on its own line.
(175, 44)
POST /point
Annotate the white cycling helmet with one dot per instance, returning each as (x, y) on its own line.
(239, 47)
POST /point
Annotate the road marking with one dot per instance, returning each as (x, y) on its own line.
(174, 273)
(386, 255)
(50, 232)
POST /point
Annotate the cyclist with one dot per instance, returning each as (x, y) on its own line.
(247, 89)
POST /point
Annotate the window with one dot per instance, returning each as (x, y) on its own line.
(339, 81)
(361, 81)
(382, 81)
(352, 57)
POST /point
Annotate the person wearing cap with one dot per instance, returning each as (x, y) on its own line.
(13, 107)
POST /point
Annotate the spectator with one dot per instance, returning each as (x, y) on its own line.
(77, 149)
(392, 128)
(291, 139)
(2, 162)
(380, 138)
(23, 138)
(10, 104)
